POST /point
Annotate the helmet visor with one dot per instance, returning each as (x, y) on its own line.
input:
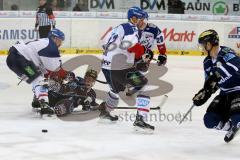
(202, 47)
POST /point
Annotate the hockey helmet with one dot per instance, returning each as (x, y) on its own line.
(56, 33)
(135, 12)
(91, 73)
(209, 36)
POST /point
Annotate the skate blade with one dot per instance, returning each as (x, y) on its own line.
(234, 137)
(80, 112)
(143, 130)
(106, 121)
(36, 110)
(49, 117)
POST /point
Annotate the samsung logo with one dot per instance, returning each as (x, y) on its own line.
(18, 34)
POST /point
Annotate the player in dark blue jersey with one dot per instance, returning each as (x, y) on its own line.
(65, 95)
(221, 67)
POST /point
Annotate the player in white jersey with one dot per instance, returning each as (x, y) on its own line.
(150, 35)
(121, 49)
(33, 60)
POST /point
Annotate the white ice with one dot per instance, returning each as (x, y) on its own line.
(21, 137)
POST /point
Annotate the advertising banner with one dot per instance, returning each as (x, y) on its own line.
(232, 36)
(15, 29)
(83, 34)
(8, 14)
(205, 7)
(215, 7)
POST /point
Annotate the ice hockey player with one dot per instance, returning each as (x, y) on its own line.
(150, 35)
(121, 48)
(77, 91)
(221, 67)
(32, 60)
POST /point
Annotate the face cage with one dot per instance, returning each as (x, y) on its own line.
(90, 81)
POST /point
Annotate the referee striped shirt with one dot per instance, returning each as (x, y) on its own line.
(44, 16)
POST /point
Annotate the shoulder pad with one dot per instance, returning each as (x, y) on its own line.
(152, 25)
(227, 53)
(128, 28)
(50, 51)
(154, 29)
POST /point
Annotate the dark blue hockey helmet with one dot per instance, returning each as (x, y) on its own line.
(145, 15)
(56, 33)
(135, 12)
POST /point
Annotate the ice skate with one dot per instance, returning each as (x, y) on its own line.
(141, 126)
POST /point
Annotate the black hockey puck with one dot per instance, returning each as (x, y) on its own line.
(44, 130)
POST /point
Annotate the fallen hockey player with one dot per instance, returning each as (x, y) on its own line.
(67, 94)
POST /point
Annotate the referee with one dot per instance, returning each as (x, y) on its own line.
(44, 19)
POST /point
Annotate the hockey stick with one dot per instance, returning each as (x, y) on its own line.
(164, 99)
(155, 59)
(190, 109)
(101, 82)
(151, 108)
(24, 78)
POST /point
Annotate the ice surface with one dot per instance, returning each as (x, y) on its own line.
(21, 137)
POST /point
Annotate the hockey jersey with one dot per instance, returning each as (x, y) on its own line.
(43, 53)
(115, 45)
(227, 64)
(151, 36)
(74, 88)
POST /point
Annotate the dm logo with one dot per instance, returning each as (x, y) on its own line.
(235, 33)
(109, 4)
(220, 7)
(151, 4)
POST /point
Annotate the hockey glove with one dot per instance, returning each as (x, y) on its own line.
(88, 100)
(201, 97)
(64, 107)
(162, 59)
(210, 84)
(54, 86)
(70, 76)
(147, 56)
(142, 66)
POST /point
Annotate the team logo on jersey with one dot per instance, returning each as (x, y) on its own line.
(148, 36)
(224, 79)
(219, 64)
(234, 33)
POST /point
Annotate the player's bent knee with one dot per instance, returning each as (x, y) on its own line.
(21, 66)
(235, 106)
(136, 79)
(211, 120)
(31, 72)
